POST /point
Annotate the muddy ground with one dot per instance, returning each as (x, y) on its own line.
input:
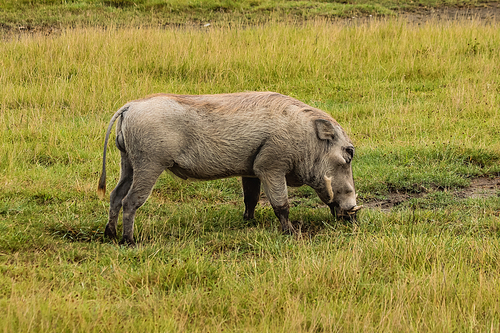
(482, 187)
(486, 13)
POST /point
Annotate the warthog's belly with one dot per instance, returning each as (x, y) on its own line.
(208, 174)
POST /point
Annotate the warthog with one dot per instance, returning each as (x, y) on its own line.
(264, 137)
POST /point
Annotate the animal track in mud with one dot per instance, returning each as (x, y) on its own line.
(482, 187)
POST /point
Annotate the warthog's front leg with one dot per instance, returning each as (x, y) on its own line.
(251, 193)
(276, 191)
(282, 214)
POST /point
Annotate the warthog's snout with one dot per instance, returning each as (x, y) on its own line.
(346, 214)
(354, 209)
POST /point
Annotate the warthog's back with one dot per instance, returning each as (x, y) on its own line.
(212, 136)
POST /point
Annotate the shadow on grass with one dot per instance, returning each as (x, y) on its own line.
(314, 227)
(308, 225)
(82, 233)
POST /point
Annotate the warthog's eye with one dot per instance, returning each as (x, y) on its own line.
(350, 153)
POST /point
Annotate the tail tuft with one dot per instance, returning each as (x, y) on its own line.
(101, 188)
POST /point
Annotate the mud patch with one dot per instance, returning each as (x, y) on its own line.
(483, 187)
(486, 13)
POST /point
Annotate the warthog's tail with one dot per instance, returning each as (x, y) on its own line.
(101, 188)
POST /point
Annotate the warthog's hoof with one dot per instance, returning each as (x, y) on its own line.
(127, 241)
(291, 229)
(248, 216)
(110, 232)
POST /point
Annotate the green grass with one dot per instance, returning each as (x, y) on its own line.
(420, 103)
(34, 15)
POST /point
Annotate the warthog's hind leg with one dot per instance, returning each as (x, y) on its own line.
(251, 193)
(144, 178)
(117, 195)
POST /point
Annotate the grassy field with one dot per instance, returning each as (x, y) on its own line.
(44, 14)
(420, 103)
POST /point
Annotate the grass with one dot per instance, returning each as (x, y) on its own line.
(420, 103)
(36, 15)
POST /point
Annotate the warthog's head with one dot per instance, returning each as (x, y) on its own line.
(334, 181)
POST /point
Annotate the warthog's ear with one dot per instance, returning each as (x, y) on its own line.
(325, 129)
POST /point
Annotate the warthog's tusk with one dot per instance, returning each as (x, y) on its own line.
(328, 183)
(354, 210)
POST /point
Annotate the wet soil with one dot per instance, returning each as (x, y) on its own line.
(483, 187)
(485, 13)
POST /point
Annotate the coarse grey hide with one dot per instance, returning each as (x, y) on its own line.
(266, 138)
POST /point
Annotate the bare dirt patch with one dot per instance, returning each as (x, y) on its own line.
(486, 13)
(483, 187)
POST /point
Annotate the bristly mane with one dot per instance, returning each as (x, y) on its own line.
(247, 101)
